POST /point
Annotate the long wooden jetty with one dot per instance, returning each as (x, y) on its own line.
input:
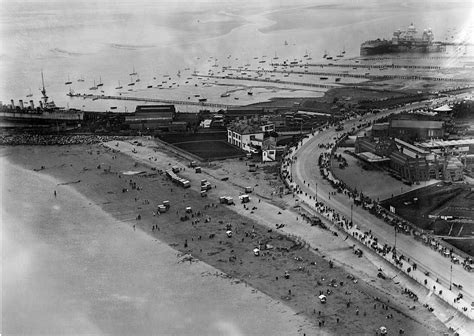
(361, 76)
(274, 81)
(154, 100)
(363, 66)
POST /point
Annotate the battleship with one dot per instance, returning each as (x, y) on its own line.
(403, 41)
(46, 114)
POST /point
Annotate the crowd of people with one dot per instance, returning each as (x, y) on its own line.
(358, 198)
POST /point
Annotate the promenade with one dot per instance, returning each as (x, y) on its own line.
(433, 271)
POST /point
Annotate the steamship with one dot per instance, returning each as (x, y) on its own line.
(47, 113)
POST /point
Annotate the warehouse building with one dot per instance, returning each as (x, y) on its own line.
(152, 117)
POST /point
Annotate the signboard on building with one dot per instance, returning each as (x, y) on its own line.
(392, 209)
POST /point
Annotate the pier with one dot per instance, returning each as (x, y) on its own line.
(362, 76)
(363, 66)
(273, 81)
(155, 100)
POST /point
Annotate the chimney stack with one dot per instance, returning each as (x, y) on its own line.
(32, 105)
(13, 103)
(21, 104)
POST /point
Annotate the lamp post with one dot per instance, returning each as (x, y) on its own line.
(451, 277)
(352, 206)
(395, 244)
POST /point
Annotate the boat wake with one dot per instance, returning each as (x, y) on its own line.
(131, 46)
(63, 52)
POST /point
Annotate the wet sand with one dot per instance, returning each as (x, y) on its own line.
(352, 308)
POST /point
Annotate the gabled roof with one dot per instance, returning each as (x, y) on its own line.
(155, 108)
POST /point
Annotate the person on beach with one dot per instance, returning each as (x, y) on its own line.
(55, 194)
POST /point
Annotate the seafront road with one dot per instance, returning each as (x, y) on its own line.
(305, 168)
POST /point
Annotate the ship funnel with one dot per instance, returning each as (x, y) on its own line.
(13, 103)
(32, 105)
(20, 102)
(41, 103)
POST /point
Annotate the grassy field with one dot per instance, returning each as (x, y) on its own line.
(210, 149)
(175, 138)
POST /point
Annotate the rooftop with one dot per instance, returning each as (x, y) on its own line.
(371, 157)
(245, 128)
(433, 124)
(411, 147)
(446, 143)
(154, 108)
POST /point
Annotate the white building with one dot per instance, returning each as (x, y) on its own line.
(247, 136)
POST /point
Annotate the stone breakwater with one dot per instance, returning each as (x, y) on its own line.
(51, 139)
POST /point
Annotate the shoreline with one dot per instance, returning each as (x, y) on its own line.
(233, 256)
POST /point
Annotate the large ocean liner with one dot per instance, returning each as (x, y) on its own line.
(403, 41)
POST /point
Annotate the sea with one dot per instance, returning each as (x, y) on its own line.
(164, 42)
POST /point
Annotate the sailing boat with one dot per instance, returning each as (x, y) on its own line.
(138, 79)
(134, 73)
(68, 81)
(131, 81)
(100, 82)
(93, 87)
(81, 79)
(30, 94)
(325, 54)
(343, 50)
(119, 86)
(286, 42)
(306, 54)
(276, 57)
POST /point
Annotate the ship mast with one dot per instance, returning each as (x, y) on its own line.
(43, 90)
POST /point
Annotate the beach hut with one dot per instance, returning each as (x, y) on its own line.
(322, 298)
(189, 210)
(203, 193)
(197, 170)
(256, 252)
(166, 204)
(228, 233)
(383, 331)
(248, 190)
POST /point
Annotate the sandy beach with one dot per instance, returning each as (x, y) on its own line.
(106, 247)
(70, 268)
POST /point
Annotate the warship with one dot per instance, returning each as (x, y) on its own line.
(47, 113)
